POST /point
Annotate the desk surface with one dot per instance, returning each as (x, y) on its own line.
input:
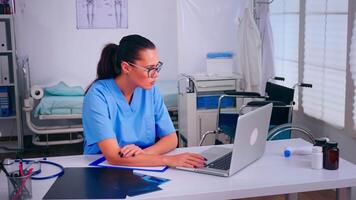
(272, 174)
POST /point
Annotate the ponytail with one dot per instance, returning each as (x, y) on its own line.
(109, 63)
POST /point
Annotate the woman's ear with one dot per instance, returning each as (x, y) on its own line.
(125, 67)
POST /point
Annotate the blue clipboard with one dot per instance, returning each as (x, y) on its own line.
(98, 162)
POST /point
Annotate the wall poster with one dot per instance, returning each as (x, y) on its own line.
(93, 14)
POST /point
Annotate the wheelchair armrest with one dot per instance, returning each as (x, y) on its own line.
(262, 103)
(306, 85)
(278, 78)
(244, 94)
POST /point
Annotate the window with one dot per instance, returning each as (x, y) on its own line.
(284, 17)
(325, 60)
(353, 68)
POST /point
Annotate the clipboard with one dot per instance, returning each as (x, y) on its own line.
(101, 162)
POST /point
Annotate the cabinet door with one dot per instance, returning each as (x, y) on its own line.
(207, 122)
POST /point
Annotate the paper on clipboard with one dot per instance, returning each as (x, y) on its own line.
(102, 162)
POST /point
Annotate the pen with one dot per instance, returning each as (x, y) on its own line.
(21, 168)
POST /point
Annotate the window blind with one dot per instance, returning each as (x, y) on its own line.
(325, 60)
(284, 17)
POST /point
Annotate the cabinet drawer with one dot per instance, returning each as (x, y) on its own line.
(216, 85)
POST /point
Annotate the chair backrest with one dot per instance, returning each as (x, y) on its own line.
(283, 94)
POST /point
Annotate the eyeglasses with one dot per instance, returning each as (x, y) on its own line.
(150, 69)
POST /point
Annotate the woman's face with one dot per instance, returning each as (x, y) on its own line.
(143, 72)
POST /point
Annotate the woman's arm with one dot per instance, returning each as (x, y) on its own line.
(164, 145)
(111, 149)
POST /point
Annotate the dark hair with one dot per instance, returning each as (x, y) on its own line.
(109, 65)
(112, 55)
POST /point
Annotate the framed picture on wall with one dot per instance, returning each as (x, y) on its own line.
(92, 14)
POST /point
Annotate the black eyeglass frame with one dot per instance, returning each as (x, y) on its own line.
(149, 68)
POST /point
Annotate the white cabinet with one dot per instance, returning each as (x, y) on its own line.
(10, 113)
(195, 115)
(206, 122)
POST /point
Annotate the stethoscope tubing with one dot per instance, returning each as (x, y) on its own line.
(35, 173)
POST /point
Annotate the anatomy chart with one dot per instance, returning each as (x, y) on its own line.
(101, 14)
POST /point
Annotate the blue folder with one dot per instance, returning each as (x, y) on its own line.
(96, 163)
(102, 183)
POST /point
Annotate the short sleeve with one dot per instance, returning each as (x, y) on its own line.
(163, 122)
(96, 118)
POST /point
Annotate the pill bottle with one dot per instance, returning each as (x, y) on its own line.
(317, 158)
(322, 143)
(331, 156)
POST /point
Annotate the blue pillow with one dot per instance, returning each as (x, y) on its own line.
(62, 89)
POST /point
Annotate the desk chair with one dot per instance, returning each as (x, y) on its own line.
(280, 96)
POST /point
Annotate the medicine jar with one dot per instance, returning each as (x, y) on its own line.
(331, 156)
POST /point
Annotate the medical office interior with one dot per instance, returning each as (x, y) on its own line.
(50, 50)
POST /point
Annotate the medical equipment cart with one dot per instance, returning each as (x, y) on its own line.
(197, 104)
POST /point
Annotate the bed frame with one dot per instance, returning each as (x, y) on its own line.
(48, 130)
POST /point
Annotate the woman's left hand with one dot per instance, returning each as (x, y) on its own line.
(130, 150)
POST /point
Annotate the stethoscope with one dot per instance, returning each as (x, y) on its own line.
(37, 170)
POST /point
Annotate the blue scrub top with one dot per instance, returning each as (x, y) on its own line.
(107, 114)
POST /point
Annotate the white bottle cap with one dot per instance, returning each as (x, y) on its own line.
(317, 149)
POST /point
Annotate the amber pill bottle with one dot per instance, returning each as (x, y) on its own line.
(331, 156)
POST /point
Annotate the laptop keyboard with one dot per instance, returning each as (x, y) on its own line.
(222, 163)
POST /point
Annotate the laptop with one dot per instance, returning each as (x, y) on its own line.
(249, 145)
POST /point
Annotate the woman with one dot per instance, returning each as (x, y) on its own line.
(123, 112)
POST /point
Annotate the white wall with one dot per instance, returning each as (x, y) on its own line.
(46, 32)
(206, 26)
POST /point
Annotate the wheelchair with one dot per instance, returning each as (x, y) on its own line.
(281, 126)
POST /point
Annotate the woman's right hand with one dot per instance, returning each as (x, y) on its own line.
(130, 150)
(190, 160)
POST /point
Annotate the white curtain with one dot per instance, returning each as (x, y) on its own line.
(264, 25)
(249, 51)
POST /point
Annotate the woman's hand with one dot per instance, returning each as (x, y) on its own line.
(130, 151)
(190, 160)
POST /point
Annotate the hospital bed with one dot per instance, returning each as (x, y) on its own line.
(51, 116)
(44, 111)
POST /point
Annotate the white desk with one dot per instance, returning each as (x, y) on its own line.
(271, 175)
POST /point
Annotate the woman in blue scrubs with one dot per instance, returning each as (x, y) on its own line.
(124, 113)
